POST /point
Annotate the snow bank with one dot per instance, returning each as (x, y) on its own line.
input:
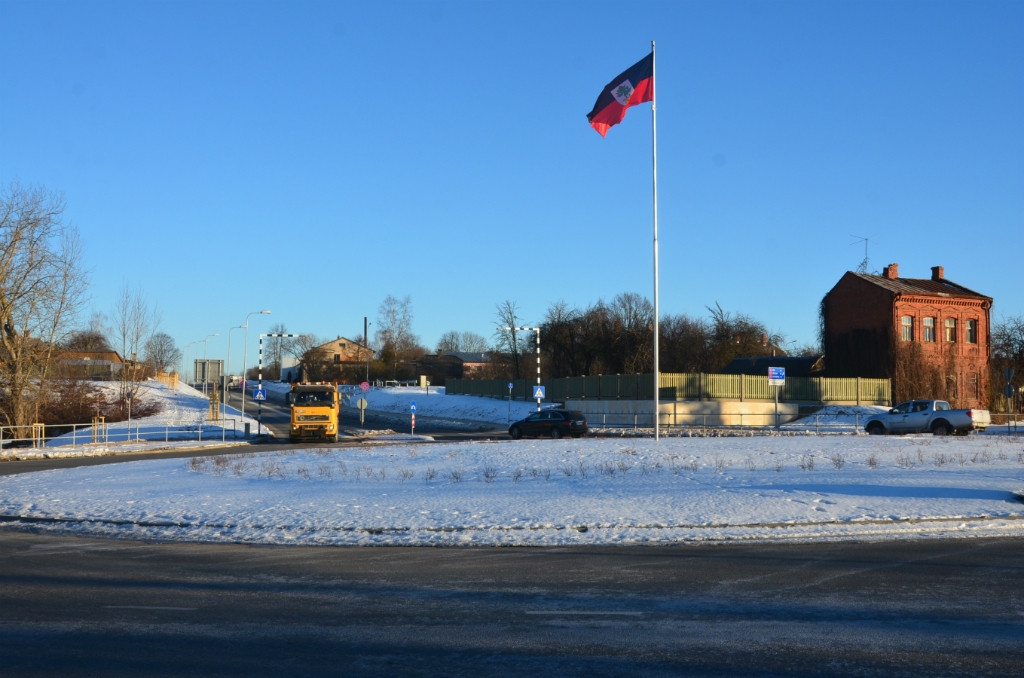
(543, 492)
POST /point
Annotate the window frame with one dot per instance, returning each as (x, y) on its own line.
(907, 328)
(950, 330)
(928, 333)
(971, 331)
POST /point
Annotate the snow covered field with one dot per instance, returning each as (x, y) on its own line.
(184, 416)
(591, 491)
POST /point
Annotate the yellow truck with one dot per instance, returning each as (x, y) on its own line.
(314, 407)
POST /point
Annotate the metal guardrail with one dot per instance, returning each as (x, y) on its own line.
(40, 436)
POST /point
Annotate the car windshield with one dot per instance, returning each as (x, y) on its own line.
(313, 398)
(942, 406)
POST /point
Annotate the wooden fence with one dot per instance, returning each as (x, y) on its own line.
(682, 387)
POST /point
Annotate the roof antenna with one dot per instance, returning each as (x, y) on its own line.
(863, 267)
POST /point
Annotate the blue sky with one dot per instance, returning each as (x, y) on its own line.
(312, 158)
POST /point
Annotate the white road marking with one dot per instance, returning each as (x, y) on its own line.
(582, 612)
(148, 607)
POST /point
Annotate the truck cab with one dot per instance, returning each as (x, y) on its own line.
(314, 411)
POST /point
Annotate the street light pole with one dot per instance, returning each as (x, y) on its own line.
(516, 348)
(245, 355)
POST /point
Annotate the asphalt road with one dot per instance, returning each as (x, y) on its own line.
(72, 606)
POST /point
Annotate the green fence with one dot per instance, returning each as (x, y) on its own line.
(682, 387)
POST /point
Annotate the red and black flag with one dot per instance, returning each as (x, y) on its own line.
(634, 86)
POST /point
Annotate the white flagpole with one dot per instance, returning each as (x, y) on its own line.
(654, 146)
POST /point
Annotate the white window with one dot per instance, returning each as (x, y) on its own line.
(951, 330)
(929, 329)
(907, 328)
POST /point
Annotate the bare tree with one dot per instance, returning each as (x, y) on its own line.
(470, 342)
(161, 353)
(276, 348)
(394, 331)
(133, 323)
(315, 361)
(41, 289)
(509, 341)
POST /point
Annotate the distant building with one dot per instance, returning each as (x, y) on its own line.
(454, 364)
(90, 364)
(796, 366)
(930, 335)
(342, 351)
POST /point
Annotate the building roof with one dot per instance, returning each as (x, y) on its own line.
(921, 286)
(467, 357)
(796, 366)
(95, 356)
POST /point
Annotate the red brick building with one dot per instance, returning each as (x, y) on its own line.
(930, 335)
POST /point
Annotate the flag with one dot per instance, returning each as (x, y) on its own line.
(634, 86)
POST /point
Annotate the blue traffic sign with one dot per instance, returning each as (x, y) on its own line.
(1010, 390)
(259, 394)
(538, 392)
(776, 376)
(413, 407)
(511, 386)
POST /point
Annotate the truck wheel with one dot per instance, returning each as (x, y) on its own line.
(941, 428)
(332, 439)
(876, 429)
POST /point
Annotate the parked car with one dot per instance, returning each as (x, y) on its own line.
(921, 416)
(550, 424)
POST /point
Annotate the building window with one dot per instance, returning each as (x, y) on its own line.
(973, 386)
(337, 359)
(972, 331)
(950, 330)
(929, 329)
(907, 328)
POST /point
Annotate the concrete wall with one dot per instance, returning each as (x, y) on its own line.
(683, 412)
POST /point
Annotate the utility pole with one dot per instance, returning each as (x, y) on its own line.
(516, 348)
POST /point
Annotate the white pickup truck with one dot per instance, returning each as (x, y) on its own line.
(921, 416)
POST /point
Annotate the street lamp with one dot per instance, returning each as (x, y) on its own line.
(245, 355)
(206, 365)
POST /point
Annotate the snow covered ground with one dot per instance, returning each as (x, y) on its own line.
(184, 416)
(590, 491)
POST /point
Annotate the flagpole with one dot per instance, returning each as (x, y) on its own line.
(654, 147)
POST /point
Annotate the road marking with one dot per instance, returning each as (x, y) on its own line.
(148, 607)
(583, 612)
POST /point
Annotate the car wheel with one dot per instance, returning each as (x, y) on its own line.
(941, 428)
(876, 429)
(516, 432)
(556, 434)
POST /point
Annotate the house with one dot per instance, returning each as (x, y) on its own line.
(796, 366)
(90, 364)
(342, 351)
(457, 364)
(930, 335)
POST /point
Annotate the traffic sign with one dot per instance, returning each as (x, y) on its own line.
(259, 394)
(511, 386)
(1008, 372)
(412, 408)
(1010, 390)
(365, 386)
(538, 392)
(361, 403)
(776, 376)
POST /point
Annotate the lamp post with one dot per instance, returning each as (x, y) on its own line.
(206, 365)
(245, 355)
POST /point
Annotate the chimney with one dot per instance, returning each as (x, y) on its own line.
(764, 339)
(938, 273)
(892, 271)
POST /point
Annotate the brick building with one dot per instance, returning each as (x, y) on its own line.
(930, 335)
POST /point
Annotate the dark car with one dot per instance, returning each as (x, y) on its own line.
(550, 424)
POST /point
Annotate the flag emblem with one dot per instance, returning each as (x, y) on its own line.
(634, 86)
(622, 92)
